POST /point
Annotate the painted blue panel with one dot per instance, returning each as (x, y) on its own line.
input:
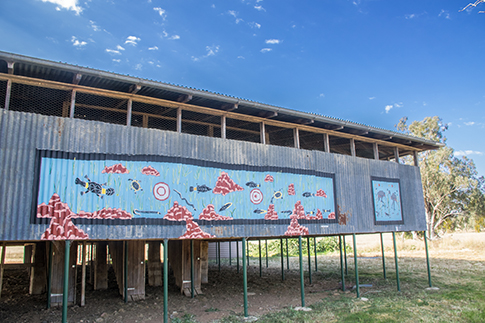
(387, 200)
(150, 186)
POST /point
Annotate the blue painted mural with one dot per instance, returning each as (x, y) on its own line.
(387, 201)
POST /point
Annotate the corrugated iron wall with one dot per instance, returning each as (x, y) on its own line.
(22, 134)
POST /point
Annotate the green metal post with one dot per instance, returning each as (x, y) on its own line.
(192, 268)
(266, 241)
(260, 271)
(287, 256)
(356, 266)
(395, 259)
(245, 278)
(315, 251)
(247, 250)
(125, 275)
(345, 257)
(302, 279)
(165, 280)
(341, 263)
(230, 253)
(383, 258)
(237, 255)
(309, 260)
(427, 259)
(282, 261)
(65, 289)
(49, 276)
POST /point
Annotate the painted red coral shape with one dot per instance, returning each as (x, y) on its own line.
(331, 216)
(298, 211)
(321, 192)
(61, 226)
(271, 214)
(295, 229)
(194, 231)
(149, 170)
(178, 213)
(291, 189)
(318, 216)
(269, 178)
(225, 185)
(115, 169)
(209, 213)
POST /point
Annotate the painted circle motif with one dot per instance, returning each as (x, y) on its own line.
(161, 191)
(256, 196)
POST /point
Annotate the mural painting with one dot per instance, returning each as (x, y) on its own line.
(387, 201)
(157, 189)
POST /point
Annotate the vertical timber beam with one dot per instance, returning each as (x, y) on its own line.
(302, 279)
(395, 259)
(179, 120)
(396, 154)
(38, 277)
(73, 104)
(154, 264)
(356, 267)
(345, 256)
(192, 268)
(375, 148)
(49, 275)
(65, 289)
(416, 158)
(326, 143)
(262, 133)
(8, 94)
(260, 269)
(223, 127)
(352, 147)
(125, 271)
(266, 252)
(296, 137)
(128, 112)
(83, 275)
(165, 281)
(2, 264)
(237, 255)
(100, 271)
(282, 261)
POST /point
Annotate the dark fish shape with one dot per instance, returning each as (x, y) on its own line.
(252, 184)
(386, 213)
(140, 212)
(286, 212)
(225, 207)
(94, 187)
(307, 194)
(323, 211)
(259, 211)
(200, 188)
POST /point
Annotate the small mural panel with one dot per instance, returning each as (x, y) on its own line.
(386, 195)
(129, 189)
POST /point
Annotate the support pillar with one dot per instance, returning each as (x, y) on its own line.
(245, 278)
(309, 260)
(427, 259)
(342, 274)
(383, 258)
(154, 264)
(356, 267)
(302, 279)
(38, 277)
(395, 259)
(165, 280)
(100, 270)
(58, 266)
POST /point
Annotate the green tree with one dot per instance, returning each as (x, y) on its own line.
(451, 185)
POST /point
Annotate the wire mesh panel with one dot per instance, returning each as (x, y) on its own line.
(242, 130)
(41, 100)
(339, 145)
(311, 140)
(201, 124)
(153, 116)
(3, 93)
(364, 149)
(280, 136)
(100, 108)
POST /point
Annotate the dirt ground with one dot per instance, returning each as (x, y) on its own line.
(223, 295)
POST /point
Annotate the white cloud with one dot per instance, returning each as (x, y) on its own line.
(116, 60)
(265, 50)
(272, 41)
(241, 57)
(322, 95)
(66, 4)
(259, 8)
(254, 25)
(395, 105)
(94, 26)
(411, 16)
(161, 12)
(445, 14)
(211, 51)
(471, 123)
(153, 48)
(118, 47)
(460, 153)
(372, 98)
(132, 40)
(174, 37)
(389, 107)
(112, 51)
(234, 14)
(138, 67)
(77, 43)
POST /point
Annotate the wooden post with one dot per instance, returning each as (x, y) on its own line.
(375, 148)
(296, 138)
(165, 280)
(245, 278)
(342, 274)
(204, 262)
(136, 270)
(326, 143)
(302, 281)
(383, 258)
(396, 154)
(223, 127)
(352, 147)
(8, 94)
(154, 264)
(416, 158)
(83, 275)
(101, 266)
(2, 264)
(65, 285)
(38, 277)
(180, 261)
(356, 267)
(128, 112)
(58, 266)
(179, 120)
(73, 104)
(262, 133)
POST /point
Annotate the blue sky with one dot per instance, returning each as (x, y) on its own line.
(368, 61)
